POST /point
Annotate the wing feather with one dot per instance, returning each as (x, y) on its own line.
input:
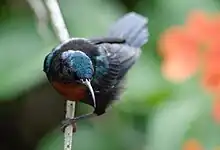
(108, 87)
(120, 58)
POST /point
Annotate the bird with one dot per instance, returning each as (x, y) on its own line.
(93, 70)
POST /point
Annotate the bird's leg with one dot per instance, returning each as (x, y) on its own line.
(73, 121)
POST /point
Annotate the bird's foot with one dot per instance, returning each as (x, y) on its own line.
(68, 122)
(73, 121)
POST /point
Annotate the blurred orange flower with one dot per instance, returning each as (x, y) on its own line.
(193, 47)
(211, 70)
(192, 144)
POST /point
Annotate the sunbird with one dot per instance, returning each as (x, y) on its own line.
(93, 71)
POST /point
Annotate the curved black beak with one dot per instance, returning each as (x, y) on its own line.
(87, 83)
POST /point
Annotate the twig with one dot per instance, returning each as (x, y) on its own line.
(62, 33)
(57, 20)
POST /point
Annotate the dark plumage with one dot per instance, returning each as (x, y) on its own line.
(103, 61)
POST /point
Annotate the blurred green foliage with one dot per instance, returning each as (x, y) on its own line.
(153, 113)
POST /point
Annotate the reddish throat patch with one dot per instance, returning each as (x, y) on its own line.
(71, 91)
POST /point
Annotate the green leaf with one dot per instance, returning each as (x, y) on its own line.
(145, 87)
(166, 13)
(170, 122)
(22, 56)
(205, 130)
(90, 18)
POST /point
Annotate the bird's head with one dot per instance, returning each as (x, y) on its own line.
(75, 66)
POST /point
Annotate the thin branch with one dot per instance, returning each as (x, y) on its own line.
(57, 20)
(62, 33)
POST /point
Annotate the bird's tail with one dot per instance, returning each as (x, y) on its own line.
(133, 28)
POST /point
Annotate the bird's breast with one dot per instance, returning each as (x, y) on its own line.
(71, 91)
